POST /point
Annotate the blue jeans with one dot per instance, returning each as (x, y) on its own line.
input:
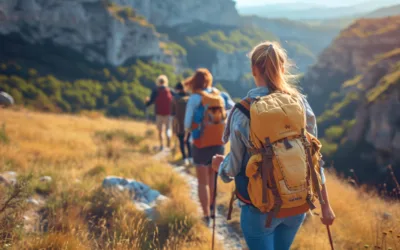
(279, 236)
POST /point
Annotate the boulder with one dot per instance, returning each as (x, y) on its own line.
(6, 99)
(8, 178)
(46, 179)
(144, 198)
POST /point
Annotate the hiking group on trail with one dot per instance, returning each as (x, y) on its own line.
(274, 156)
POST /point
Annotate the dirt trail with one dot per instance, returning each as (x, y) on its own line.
(225, 234)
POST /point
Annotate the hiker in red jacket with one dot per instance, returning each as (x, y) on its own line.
(162, 98)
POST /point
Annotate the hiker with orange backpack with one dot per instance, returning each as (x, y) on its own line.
(162, 98)
(275, 157)
(205, 122)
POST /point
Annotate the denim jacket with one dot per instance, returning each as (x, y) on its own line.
(238, 135)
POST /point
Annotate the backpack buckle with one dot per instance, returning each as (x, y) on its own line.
(268, 148)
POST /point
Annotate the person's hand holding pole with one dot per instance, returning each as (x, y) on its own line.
(216, 162)
(328, 216)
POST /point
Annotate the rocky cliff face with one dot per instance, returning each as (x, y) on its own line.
(110, 31)
(357, 79)
(230, 66)
(102, 33)
(172, 12)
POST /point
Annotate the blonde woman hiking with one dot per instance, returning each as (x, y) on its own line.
(274, 155)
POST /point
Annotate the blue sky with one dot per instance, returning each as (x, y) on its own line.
(321, 2)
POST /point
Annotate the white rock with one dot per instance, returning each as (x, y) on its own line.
(142, 206)
(142, 195)
(8, 178)
(6, 99)
(33, 201)
(46, 179)
(11, 173)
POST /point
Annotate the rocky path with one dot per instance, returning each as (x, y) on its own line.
(224, 232)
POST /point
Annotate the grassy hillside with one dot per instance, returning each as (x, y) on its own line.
(78, 152)
(114, 91)
(202, 40)
(68, 149)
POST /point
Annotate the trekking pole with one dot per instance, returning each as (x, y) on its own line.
(215, 207)
(330, 237)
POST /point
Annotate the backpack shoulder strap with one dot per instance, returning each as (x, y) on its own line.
(244, 106)
(215, 91)
(200, 92)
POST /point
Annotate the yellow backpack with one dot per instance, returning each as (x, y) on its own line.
(284, 167)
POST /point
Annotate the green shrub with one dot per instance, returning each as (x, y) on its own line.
(118, 91)
(45, 188)
(127, 137)
(334, 132)
(229, 41)
(173, 49)
(328, 149)
(385, 84)
(338, 108)
(12, 208)
(352, 82)
(96, 171)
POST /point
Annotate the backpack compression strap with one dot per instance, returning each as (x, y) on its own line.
(244, 106)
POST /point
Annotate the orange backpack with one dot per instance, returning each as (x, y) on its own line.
(207, 131)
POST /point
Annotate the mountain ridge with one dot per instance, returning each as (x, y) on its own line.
(354, 89)
(315, 12)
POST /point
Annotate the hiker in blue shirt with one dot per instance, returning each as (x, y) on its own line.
(204, 147)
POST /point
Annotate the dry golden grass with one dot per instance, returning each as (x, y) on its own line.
(359, 219)
(79, 214)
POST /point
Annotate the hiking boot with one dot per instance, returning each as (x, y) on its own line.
(207, 221)
(186, 162)
(212, 212)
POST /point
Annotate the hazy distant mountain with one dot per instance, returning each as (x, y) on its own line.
(314, 11)
(386, 11)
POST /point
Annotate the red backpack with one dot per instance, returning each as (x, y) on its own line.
(163, 101)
